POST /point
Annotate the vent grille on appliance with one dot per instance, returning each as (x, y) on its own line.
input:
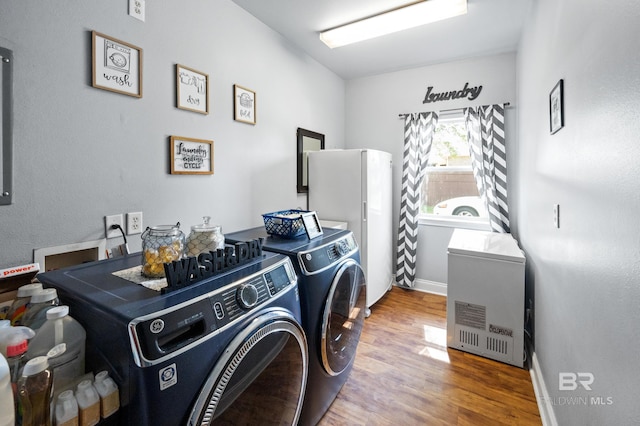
(497, 345)
(468, 337)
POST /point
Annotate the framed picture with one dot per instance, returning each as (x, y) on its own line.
(556, 108)
(244, 104)
(117, 65)
(311, 224)
(192, 90)
(191, 156)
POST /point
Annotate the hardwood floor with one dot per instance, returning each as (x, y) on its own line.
(405, 375)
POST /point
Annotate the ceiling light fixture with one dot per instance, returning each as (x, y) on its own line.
(410, 16)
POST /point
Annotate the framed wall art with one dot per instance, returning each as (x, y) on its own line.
(244, 104)
(311, 224)
(192, 90)
(191, 156)
(556, 107)
(117, 65)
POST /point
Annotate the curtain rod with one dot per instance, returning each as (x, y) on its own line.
(506, 104)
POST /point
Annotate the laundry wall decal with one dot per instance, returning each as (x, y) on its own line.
(470, 93)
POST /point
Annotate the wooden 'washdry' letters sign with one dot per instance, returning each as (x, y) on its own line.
(184, 272)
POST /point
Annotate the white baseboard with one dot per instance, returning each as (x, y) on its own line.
(542, 395)
(430, 287)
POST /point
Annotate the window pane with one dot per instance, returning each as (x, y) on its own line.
(449, 189)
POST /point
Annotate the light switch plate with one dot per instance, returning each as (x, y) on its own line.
(136, 9)
(556, 215)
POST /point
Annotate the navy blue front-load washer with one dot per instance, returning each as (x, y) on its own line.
(229, 349)
(332, 295)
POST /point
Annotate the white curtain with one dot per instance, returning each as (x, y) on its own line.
(418, 135)
(485, 132)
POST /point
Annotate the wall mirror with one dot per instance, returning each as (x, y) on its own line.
(6, 124)
(307, 141)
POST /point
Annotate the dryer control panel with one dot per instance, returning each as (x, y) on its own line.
(320, 258)
(161, 335)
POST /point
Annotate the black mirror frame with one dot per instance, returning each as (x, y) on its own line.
(301, 134)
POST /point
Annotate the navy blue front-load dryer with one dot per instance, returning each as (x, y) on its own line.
(332, 294)
(229, 349)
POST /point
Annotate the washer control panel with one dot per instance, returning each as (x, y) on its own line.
(158, 336)
(320, 258)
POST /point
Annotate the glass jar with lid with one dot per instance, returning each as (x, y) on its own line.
(161, 244)
(204, 238)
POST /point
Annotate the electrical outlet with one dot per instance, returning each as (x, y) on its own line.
(137, 9)
(134, 223)
(116, 219)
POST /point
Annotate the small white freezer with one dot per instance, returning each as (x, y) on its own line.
(485, 295)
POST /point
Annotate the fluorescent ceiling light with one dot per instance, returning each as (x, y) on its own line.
(410, 16)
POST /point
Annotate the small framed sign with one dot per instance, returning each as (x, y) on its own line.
(117, 66)
(311, 224)
(192, 90)
(191, 156)
(244, 106)
(556, 108)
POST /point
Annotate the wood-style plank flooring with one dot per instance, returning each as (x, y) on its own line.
(404, 374)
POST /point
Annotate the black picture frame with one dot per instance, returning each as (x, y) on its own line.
(311, 224)
(307, 141)
(556, 107)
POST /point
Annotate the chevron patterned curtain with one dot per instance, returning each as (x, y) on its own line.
(418, 135)
(485, 132)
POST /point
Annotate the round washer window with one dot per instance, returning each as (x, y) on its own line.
(260, 379)
(343, 318)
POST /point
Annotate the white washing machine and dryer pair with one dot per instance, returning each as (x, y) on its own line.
(228, 350)
(333, 300)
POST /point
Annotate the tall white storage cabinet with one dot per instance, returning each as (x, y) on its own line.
(485, 295)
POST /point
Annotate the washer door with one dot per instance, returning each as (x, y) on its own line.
(343, 318)
(260, 377)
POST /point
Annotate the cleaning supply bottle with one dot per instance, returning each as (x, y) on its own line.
(4, 324)
(14, 340)
(11, 336)
(16, 352)
(19, 305)
(7, 409)
(41, 302)
(61, 328)
(66, 411)
(88, 403)
(34, 392)
(109, 394)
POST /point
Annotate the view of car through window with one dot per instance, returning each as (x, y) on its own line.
(449, 188)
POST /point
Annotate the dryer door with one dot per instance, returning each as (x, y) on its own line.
(343, 317)
(260, 378)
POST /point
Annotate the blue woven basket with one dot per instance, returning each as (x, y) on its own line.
(285, 227)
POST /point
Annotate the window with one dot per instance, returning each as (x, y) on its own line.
(449, 188)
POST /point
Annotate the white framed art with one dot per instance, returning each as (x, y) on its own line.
(192, 90)
(117, 65)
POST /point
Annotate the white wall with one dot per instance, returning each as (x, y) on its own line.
(585, 275)
(372, 108)
(81, 153)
